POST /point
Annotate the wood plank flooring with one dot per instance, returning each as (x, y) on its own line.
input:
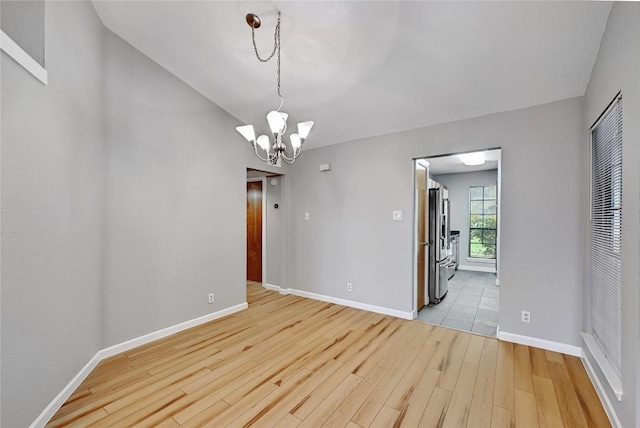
(293, 362)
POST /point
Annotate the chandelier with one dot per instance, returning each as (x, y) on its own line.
(277, 120)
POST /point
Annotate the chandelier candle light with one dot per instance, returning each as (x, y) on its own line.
(277, 120)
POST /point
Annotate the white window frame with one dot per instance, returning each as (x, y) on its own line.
(608, 364)
(471, 258)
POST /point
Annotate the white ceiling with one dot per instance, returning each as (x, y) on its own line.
(360, 68)
(452, 164)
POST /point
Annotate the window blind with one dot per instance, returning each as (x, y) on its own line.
(606, 232)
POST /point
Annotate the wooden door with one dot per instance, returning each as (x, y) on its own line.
(254, 231)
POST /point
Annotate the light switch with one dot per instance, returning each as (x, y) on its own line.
(306, 216)
(397, 215)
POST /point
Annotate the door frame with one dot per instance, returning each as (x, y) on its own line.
(264, 226)
(416, 244)
(414, 289)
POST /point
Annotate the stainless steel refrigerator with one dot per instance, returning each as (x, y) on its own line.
(439, 238)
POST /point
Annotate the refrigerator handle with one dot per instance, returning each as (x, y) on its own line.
(447, 225)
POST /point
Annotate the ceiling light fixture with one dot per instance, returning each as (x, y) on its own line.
(470, 159)
(277, 120)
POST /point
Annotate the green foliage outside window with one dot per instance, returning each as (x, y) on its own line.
(482, 222)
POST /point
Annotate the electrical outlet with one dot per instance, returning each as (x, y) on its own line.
(349, 286)
(526, 316)
(211, 298)
(306, 216)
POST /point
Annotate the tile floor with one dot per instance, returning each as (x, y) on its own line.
(471, 304)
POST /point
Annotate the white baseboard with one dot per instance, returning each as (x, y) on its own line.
(604, 398)
(102, 354)
(277, 288)
(344, 302)
(477, 268)
(604, 364)
(64, 395)
(549, 345)
(143, 340)
(271, 287)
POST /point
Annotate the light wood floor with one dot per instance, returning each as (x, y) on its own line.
(289, 361)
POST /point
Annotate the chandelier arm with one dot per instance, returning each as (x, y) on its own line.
(269, 157)
(289, 160)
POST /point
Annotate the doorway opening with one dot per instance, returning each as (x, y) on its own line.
(457, 240)
(255, 229)
(263, 249)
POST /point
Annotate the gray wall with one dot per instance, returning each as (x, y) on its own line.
(458, 187)
(123, 206)
(617, 67)
(51, 214)
(274, 230)
(175, 199)
(351, 237)
(23, 21)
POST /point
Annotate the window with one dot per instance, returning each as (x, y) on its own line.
(606, 233)
(482, 222)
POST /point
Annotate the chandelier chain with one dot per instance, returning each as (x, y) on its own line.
(276, 49)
